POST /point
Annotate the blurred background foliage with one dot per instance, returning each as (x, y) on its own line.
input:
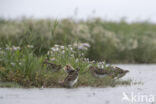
(114, 42)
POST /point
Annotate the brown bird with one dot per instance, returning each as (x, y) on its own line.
(71, 78)
(68, 68)
(118, 72)
(114, 72)
(52, 66)
(98, 72)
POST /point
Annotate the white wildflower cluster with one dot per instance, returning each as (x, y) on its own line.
(88, 61)
(61, 50)
(16, 48)
(14, 63)
(13, 48)
(57, 48)
(81, 46)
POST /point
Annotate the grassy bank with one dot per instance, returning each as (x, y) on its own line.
(114, 42)
(21, 67)
(26, 43)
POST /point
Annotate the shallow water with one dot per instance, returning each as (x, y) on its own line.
(144, 73)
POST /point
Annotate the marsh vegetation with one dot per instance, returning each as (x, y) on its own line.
(26, 43)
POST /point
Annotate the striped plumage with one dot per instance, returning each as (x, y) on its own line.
(52, 66)
(68, 68)
(114, 72)
(71, 78)
(118, 72)
(98, 72)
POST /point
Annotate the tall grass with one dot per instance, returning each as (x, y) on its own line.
(114, 42)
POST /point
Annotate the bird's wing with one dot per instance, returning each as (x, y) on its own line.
(71, 77)
(100, 71)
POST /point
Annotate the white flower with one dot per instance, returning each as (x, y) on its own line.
(93, 61)
(87, 59)
(13, 64)
(101, 65)
(30, 46)
(56, 45)
(20, 63)
(56, 49)
(53, 49)
(81, 46)
(71, 48)
(15, 48)
(62, 47)
(86, 45)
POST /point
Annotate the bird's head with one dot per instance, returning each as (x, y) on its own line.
(77, 69)
(68, 68)
(91, 68)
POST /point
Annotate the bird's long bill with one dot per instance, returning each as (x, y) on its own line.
(78, 69)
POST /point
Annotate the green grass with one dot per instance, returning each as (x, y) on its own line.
(21, 66)
(114, 42)
(26, 43)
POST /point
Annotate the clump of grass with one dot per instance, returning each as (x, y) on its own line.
(22, 66)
